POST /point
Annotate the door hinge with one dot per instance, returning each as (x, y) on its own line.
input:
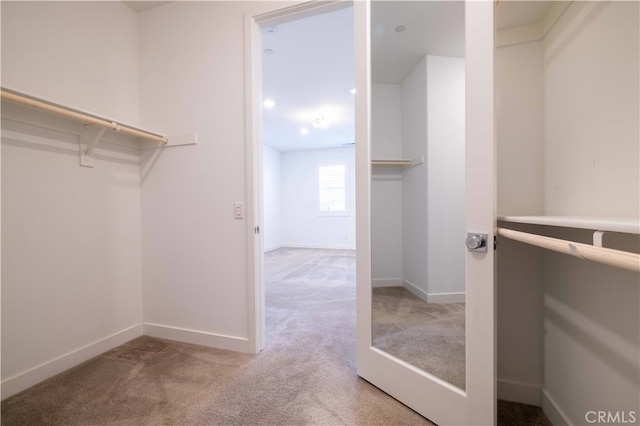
(495, 242)
(256, 230)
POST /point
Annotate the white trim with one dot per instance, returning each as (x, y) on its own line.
(446, 298)
(319, 246)
(300, 11)
(519, 35)
(253, 184)
(524, 393)
(553, 15)
(272, 248)
(416, 291)
(39, 373)
(532, 32)
(433, 297)
(212, 340)
(386, 282)
(553, 412)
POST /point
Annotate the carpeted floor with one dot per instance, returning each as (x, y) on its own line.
(305, 375)
(428, 336)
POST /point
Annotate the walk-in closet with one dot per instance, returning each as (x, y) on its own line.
(132, 235)
(568, 152)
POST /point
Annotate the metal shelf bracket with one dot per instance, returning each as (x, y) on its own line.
(90, 137)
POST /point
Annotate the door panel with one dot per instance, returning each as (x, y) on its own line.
(470, 397)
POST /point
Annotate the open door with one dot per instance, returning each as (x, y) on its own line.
(426, 206)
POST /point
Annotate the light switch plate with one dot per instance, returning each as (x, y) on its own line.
(238, 210)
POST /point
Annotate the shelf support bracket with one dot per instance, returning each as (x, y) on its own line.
(597, 238)
(88, 140)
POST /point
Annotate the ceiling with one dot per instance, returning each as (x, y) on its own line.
(308, 73)
(308, 64)
(430, 27)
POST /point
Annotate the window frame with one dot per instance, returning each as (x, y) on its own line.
(335, 213)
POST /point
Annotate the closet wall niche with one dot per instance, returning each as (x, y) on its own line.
(568, 166)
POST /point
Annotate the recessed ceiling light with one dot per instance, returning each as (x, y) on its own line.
(401, 28)
(353, 91)
(269, 103)
(269, 30)
(304, 131)
(268, 51)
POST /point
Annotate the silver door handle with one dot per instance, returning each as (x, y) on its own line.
(476, 242)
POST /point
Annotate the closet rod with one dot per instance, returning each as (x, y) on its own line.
(617, 258)
(81, 116)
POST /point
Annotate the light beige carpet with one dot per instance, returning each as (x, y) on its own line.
(428, 336)
(306, 374)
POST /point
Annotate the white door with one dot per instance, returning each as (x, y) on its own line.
(429, 391)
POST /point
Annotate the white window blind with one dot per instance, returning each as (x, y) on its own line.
(332, 188)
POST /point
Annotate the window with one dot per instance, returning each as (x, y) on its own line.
(332, 188)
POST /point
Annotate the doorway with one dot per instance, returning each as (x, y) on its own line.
(304, 156)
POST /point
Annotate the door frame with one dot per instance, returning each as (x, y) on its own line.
(253, 154)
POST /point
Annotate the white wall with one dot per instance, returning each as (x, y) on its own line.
(592, 154)
(301, 225)
(272, 198)
(592, 166)
(82, 54)
(415, 267)
(192, 66)
(386, 121)
(445, 166)
(519, 111)
(433, 220)
(386, 185)
(71, 269)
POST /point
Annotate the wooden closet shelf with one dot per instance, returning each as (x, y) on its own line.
(79, 115)
(391, 162)
(607, 224)
(94, 126)
(397, 162)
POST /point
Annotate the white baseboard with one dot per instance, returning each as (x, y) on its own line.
(433, 297)
(37, 374)
(524, 393)
(416, 291)
(553, 412)
(386, 282)
(231, 343)
(320, 246)
(271, 248)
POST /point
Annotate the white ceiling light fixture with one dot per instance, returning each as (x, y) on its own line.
(321, 122)
(353, 91)
(269, 103)
(268, 51)
(401, 28)
(304, 131)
